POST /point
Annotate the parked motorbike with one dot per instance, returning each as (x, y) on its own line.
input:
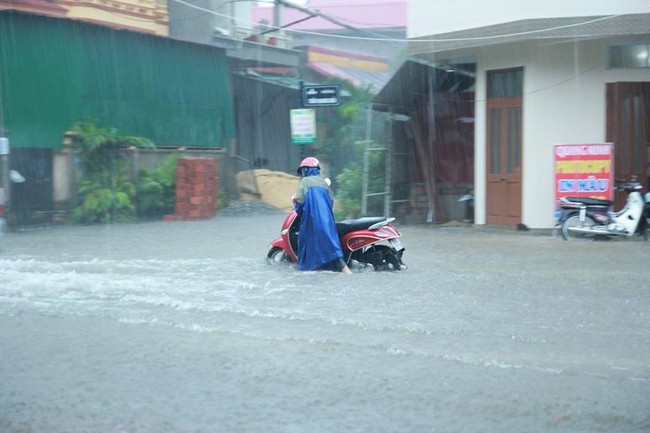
(589, 218)
(366, 242)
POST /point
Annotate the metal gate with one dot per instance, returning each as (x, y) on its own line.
(31, 200)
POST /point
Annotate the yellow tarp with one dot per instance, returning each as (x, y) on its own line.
(272, 187)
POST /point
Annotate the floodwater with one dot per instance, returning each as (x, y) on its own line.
(183, 327)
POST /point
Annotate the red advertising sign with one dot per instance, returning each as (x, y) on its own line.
(584, 170)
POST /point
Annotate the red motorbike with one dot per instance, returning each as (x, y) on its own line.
(368, 241)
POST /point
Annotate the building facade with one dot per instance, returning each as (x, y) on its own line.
(147, 16)
(545, 73)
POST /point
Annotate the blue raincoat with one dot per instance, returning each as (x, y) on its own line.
(318, 241)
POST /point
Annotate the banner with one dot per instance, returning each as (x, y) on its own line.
(584, 170)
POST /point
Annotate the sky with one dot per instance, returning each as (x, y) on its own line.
(269, 3)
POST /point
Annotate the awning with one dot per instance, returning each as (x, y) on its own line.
(361, 78)
(416, 78)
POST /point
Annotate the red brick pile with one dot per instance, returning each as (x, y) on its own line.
(197, 186)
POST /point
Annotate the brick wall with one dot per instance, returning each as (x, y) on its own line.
(197, 186)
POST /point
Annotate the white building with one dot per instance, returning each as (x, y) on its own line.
(552, 72)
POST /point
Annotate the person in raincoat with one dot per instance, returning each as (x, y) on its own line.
(318, 241)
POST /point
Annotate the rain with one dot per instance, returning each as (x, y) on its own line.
(148, 156)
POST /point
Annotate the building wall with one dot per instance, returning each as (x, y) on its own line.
(198, 20)
(147, 16)
(564, 102)
(426, 17)
(264, 131)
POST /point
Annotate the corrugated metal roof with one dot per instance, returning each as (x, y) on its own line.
(415, 78)
(362, 78)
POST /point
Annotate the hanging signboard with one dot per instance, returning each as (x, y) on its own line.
(584, 170)
(303, 126)
(321, 95)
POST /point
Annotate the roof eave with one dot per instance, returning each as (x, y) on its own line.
(591, 27)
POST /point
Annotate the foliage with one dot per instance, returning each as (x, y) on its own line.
(349, 192)
(105, 192)
(99, 146)
(350, 186)
(343, 150)
(223, 201)
(345, 125)
(157, 188)
(102, 204)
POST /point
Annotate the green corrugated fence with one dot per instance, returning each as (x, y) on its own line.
(55, 72)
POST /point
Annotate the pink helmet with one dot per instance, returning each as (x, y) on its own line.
(310, 161)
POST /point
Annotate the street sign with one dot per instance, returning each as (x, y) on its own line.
(303, 126)
(321, 95)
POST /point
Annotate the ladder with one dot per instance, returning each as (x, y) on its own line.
(389, 151)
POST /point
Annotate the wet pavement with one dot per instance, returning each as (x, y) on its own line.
(184, 327)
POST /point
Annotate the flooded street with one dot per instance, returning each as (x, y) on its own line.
(184, 327)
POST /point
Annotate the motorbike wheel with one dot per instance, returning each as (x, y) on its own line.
(277, 255)
(574, 221)
(383, 258)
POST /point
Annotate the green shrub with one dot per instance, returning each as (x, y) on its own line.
(349, 187)
(101, 204)
(105, 192)
(157, 188)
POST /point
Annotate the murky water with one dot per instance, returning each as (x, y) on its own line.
(183, 327)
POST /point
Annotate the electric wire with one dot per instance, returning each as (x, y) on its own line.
(362, 38)
(307, 32)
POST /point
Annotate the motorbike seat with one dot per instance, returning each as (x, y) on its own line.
(591, 201)
(347, 226)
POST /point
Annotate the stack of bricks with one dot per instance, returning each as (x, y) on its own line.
(197, 186)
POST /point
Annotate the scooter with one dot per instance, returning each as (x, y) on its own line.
(369, 242)
(589, 218)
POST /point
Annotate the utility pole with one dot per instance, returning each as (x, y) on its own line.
(277, 14)
(4, 156)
